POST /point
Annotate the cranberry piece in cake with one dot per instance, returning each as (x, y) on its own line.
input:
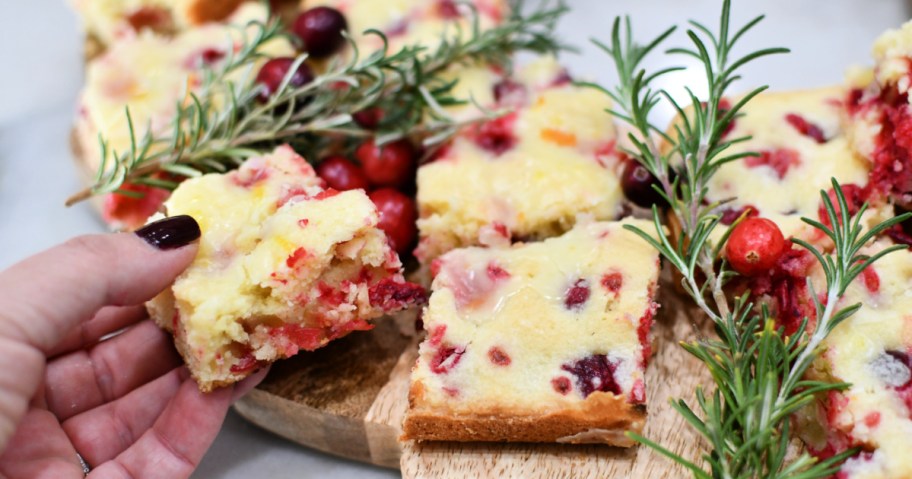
(518, 351)
(321, 30)
(283, 266)
(806, 128)
(577, 295)
(132, 212)
(497, 136)
(594, 373)
(779, 160)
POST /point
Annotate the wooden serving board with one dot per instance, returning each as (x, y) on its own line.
(349, 399)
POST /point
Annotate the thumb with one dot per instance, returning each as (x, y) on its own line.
(44, 297)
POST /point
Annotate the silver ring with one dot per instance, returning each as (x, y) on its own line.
(85, 466)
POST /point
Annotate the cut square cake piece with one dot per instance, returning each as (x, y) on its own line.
(283, 265)
(150, 75)
(801, 146)
(538, 342)
(872, 352)
(526, 175)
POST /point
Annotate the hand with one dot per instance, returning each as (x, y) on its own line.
(124, 403)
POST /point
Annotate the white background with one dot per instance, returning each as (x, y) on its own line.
(41, 73)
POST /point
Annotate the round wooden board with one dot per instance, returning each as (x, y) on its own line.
(349, 399)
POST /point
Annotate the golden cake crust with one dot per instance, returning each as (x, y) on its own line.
(603, 418)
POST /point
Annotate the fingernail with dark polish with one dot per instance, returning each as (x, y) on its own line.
(170, 233)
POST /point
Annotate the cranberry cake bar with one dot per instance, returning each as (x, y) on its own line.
(526, 175)
(538, 342)
(801, 146)
(150, 74)
(872, 350)
(284, 265)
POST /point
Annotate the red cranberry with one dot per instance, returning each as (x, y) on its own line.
(247, 362)
(397, 217)
(806, 128)
(445, 359)
(393, 164)
(436, 336)
(499, 357)
(755, 246)
(595, 373)
(297, 258)
(211, 55)
(497, 135)
(389, 294)
(871, 279)
(637, 183)
(369, 118)
(301, 337)
(273, 73)
(321, 30)
(510, 92)
(448, 9)
(496, 272)
(561, 385)
(133, 211)
(577, 295)
(730, 215)
(341, 174)
(613, 282)
(724, 106)
(780, 160)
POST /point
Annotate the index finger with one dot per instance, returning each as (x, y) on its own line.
(43, 298)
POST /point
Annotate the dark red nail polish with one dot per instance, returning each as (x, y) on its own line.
(170, 233)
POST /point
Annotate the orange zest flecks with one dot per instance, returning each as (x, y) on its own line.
(558, 137)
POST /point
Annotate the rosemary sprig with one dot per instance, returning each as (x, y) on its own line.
(221, 123)
(758, 372)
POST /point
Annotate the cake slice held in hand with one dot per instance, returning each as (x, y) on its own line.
(284, 265)
(539, 342)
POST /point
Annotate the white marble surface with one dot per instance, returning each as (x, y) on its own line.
(41, 51)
